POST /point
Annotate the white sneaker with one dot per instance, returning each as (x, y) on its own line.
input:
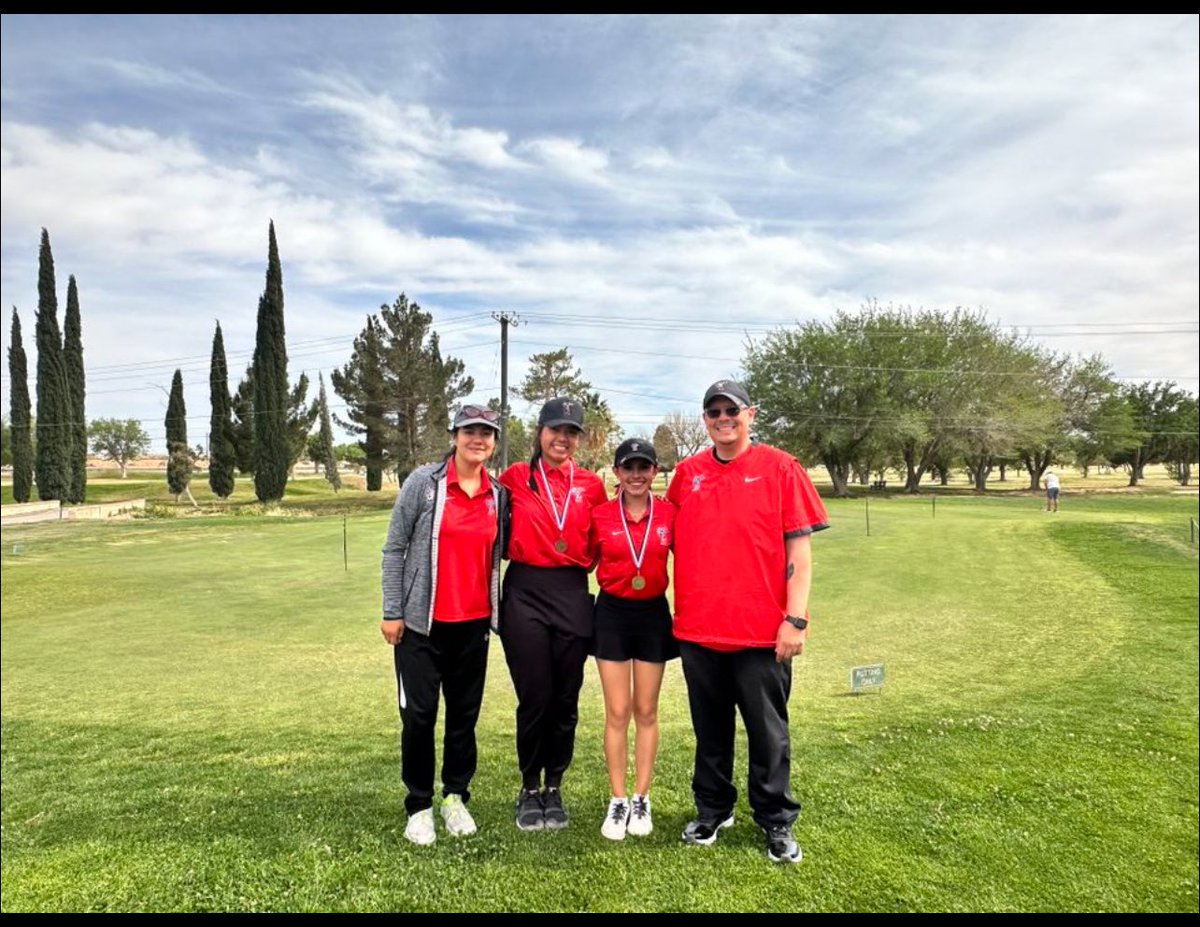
(616, 819)
(640, 823)
(459, 822)
(419, 829)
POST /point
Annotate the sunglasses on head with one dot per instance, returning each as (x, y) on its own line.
(483, 412)
(715, 412)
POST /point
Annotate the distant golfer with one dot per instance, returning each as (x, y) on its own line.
(441, 599)
(1050, 481)
(743, 571)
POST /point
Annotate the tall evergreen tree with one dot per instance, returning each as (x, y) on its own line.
(76, 392)
(360, 383)
(221, 455)
(326, 454)
(20, 414)
(272, 450)
(300, 420)
(53, 463)
(243, 425)
(178, 457)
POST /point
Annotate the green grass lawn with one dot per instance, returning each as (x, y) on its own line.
(199, 714)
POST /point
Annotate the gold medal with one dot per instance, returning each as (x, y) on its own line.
(561, 545)
(639, 582)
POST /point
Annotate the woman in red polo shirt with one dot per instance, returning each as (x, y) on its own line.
(632, 641)
(441, 592)
(546, 625)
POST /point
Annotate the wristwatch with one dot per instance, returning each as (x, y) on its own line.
(795, 622)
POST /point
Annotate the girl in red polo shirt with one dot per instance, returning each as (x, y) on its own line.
(632, 641)
(546, 623)
(441, 597)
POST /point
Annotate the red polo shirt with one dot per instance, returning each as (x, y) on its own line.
(730, 559)
(615, 571)
(534, 531)
(464, 558)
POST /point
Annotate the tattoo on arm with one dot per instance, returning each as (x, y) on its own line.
(791, 570)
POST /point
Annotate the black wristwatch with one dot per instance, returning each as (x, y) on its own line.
(800, 623)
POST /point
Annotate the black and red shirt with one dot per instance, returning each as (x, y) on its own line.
(464, 557)
(534, 530)
(730, 557)
(615, 571)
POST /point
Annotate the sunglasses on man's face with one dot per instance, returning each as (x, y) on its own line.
(483, 412)
(716, 412)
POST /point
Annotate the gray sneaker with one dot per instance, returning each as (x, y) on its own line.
(702, 832)
(782, 846)
(556, 814)
(530, 814)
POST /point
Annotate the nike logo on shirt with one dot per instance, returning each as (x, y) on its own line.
(752, 479)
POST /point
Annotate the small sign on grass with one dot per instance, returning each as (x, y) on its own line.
(866, 678)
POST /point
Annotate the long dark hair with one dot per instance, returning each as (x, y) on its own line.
(537, 456)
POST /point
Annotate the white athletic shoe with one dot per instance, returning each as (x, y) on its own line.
(640, 822)
(459, 822)
(419, 829)
(616, 819)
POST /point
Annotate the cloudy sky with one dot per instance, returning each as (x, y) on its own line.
(649, 191)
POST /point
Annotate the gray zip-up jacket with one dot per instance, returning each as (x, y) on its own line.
(410, 555)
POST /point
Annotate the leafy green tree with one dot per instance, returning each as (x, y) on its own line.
(119, 440)
(222, 453)
(665, 448)
(1154, 406)
(21, 414)
(54, 432)
(76, 392)
(1183, 440)
(273, 448)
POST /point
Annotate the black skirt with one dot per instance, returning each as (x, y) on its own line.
(633, 629)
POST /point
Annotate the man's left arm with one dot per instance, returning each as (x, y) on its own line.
(789, 639)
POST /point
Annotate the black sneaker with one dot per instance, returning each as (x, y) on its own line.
(782, 846)
(703, 831)
(530, 815)
(556, 814)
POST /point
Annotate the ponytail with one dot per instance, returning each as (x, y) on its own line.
(536, 458)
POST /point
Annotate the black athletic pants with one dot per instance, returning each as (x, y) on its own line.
(749, 681)
(546, 628)
(453, 659)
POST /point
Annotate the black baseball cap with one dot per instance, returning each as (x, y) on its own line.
(635, 449)
(476, 415)
(561, 410)
(730, 389)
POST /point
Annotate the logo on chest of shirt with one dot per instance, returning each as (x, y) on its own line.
(664, 538)
(429, 493)
(491, 506)
(696, 481)
(577, 492)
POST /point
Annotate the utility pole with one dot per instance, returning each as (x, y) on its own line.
(505, 319)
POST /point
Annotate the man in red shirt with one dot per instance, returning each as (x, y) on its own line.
(743, 571)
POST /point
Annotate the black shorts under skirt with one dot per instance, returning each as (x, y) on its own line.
(633, 629)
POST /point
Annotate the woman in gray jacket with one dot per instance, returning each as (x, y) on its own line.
(441, 594)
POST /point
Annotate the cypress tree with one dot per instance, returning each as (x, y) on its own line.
(76, 392)
(272, 451)
(178, 475)
(53, 462)
(221, 455)
(19, 414)
(328, 458)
